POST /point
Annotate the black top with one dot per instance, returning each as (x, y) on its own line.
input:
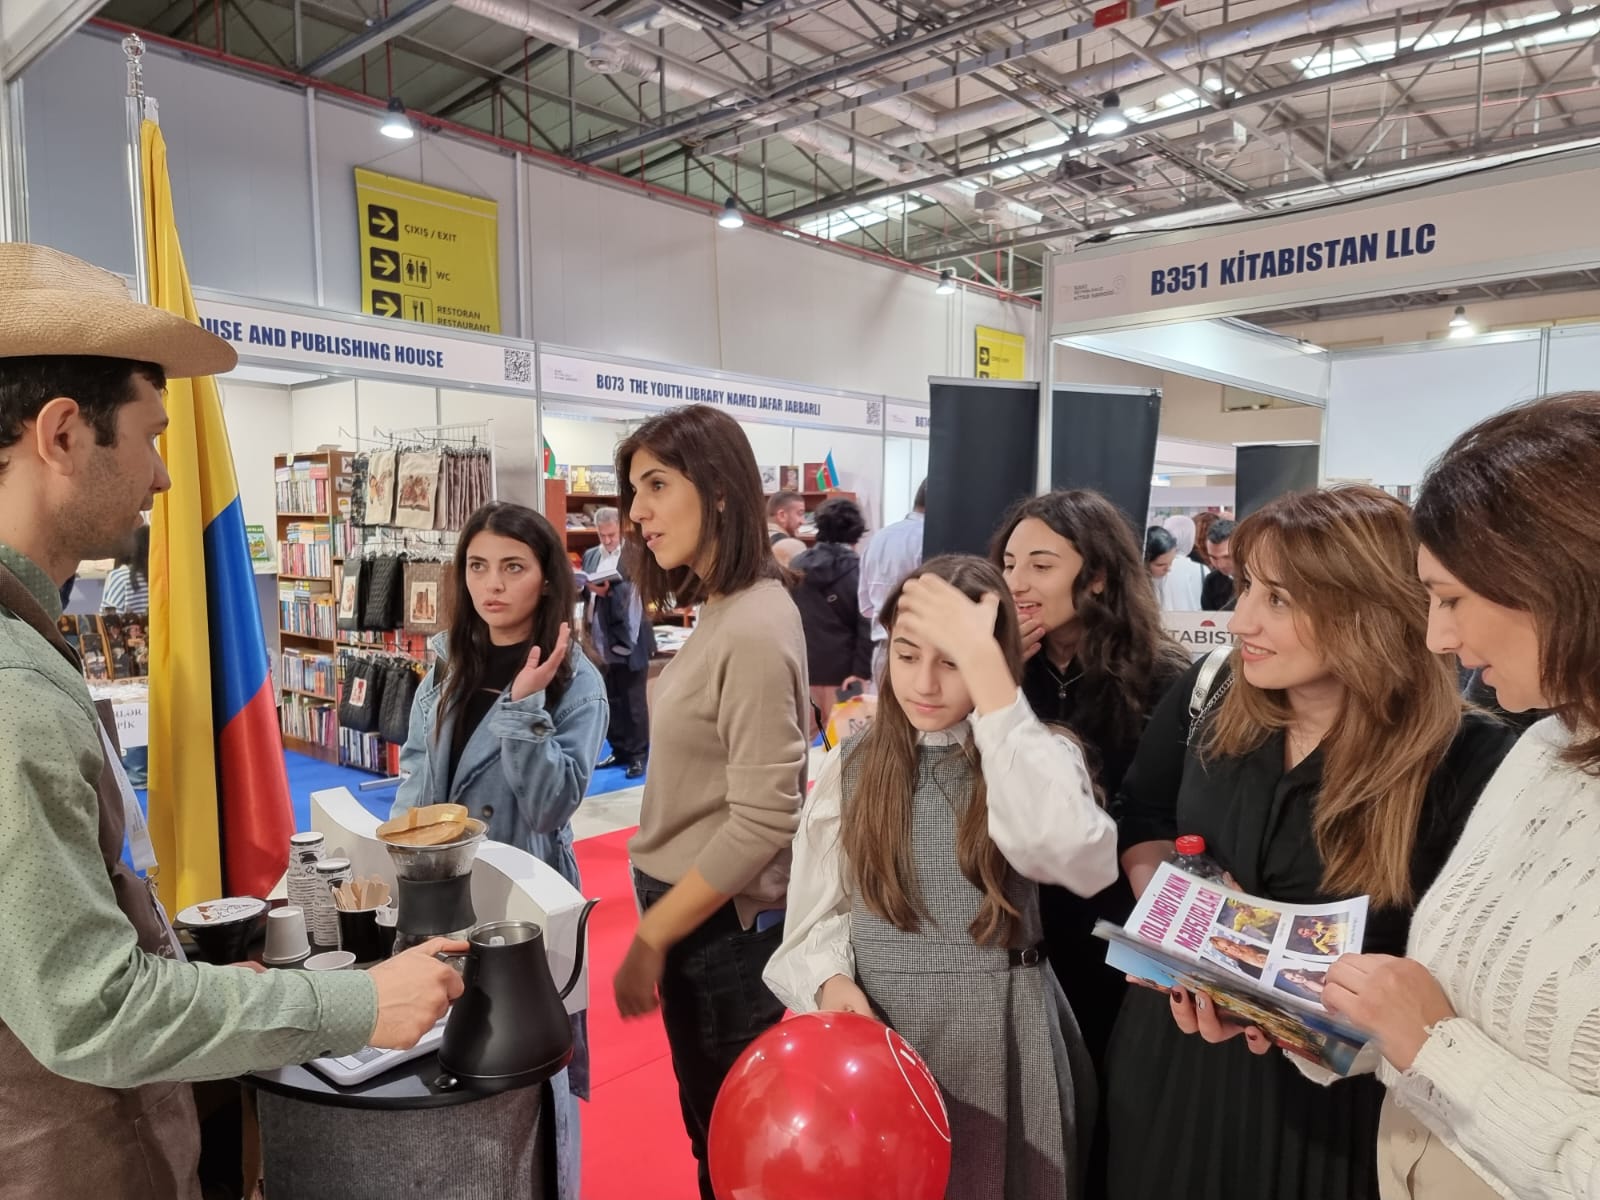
(504, 664)
(1216, 593)
(1306, 1141)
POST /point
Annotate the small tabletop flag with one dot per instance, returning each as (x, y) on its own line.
(828, 477)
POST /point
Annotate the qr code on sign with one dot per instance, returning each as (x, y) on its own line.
(519, 366)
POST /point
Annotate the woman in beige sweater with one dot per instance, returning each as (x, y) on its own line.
(727, 767)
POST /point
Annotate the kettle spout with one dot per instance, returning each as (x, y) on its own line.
(583, 942)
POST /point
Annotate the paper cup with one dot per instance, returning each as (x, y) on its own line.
(286, 936)
(331, 960)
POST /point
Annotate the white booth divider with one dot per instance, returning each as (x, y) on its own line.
(1573, 359)
(1392, 412)
(1222, 351)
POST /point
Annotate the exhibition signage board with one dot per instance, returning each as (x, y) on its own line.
(906, 420)
(427, 254)
(364, 346)
(580, 376)
(1198, 632)
(1515, 221)
(1000, 355)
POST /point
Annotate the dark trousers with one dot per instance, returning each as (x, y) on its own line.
(713, 1004)
(629, 733)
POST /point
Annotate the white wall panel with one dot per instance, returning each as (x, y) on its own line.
(323, 413)
(518, 457)
(386, 406)
(260, 424)
(1391, 414)
(1574, 360)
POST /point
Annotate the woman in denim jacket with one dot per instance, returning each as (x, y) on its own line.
(509, 722)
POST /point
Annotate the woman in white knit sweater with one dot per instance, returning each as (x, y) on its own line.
(1490, 1028)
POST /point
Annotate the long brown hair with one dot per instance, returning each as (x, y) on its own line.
(876, 825)
(1348, 559)
(467, 653)
(1124, 651)
(1508, 510)
(709, 448)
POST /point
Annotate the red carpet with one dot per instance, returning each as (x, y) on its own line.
(633, 1139)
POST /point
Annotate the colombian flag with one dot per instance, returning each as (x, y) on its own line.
(220, 815)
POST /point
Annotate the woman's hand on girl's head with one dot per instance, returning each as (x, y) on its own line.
(537, 672)
(1195, 1013)
(842, 994)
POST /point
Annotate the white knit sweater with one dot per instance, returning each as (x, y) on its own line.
(1511, 930)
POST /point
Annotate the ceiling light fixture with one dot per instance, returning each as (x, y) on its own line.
(947, 282)
(731, 217)
(1460, 326)
(1111, 120)
(396, 124)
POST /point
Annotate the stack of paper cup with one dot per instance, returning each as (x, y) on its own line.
(305, 852)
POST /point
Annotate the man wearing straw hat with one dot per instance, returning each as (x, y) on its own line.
(100, 1017)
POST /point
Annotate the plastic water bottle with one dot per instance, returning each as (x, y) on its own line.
(1191, 856)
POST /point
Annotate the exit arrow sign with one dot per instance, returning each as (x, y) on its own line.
(383, 223)
(386, 304)
(383, 264)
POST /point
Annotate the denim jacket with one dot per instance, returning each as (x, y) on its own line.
(523, 773)
(525, 770)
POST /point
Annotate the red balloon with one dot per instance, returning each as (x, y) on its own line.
(831, 1105)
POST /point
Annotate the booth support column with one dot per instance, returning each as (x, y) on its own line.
(13, 173)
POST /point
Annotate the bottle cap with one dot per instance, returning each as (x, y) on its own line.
(1191, 844)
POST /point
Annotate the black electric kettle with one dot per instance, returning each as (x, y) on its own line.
(509, 1029)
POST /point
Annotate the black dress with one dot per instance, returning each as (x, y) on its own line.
(1215, 1122)
(1075, 954)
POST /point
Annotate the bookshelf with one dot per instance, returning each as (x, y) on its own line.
(313, 535)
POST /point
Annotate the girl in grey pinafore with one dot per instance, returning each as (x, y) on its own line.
(1020, 1119)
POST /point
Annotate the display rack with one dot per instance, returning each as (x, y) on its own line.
(313, 533)
(369, 751)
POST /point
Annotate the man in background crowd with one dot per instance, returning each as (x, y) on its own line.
(892, 554)
(786, 512)
(625, 642)
(1217, 592)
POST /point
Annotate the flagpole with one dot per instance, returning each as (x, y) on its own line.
(133, 48)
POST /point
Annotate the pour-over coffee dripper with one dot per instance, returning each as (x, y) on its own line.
(434, 888)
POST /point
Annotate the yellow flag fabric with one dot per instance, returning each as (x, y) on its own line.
(219, 808)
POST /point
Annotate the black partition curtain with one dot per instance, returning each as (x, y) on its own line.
(983, 456)
(1105, 439)
(1263, 473)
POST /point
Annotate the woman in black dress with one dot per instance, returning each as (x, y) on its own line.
(1331, 760)
(1097, 663)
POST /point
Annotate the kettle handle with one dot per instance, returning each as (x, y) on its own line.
(583, 941)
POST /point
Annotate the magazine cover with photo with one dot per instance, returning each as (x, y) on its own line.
(1260, 961)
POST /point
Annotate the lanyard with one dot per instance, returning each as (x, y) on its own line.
(140, 848)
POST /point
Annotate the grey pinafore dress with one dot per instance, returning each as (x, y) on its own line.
(1000, 1039)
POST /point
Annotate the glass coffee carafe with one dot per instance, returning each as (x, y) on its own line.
(434, 888)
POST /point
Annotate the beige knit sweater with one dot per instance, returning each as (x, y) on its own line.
(728, 726)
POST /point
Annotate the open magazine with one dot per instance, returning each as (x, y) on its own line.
(1261, 962)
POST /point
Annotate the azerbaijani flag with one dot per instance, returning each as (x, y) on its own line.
(549, 461)
(220, 814)
(828, 477)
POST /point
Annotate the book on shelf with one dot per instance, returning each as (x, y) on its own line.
(302, 487)
(306, 610)
(260, 548)
(308, 671)
(306, 550)
(1261, 962)
(368, 752)
(314, 721)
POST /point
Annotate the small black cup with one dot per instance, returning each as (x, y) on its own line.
(360, 934)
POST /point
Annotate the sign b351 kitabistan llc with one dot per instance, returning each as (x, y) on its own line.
(427, 254)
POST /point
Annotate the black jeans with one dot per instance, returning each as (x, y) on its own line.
(629, 733)
(713, 1004)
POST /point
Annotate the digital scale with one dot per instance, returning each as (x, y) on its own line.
(347, 1070)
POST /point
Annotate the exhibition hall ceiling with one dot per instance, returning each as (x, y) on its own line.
(969, 136)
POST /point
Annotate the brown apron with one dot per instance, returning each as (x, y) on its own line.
(75, 1141)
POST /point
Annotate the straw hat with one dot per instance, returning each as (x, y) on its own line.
(56, 304)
